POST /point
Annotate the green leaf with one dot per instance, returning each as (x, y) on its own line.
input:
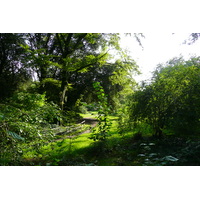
(170, 158)
(2, 117)
(15, 135)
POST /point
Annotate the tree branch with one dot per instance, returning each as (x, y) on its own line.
(90, 63)
(67, 50)
(59, 43)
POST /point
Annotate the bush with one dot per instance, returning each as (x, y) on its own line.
(102, 130)
(27, 101)
(22, 121)
(92, 107)
(51, 87)
(171, 100)
(82, 109)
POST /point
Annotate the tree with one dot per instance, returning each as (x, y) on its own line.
(66, 54)
(39, 53)
(11, 71)
(61, 60)
(171, 101)
(115, 78)
(78, 53)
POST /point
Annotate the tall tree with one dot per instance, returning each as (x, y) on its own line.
(40, 48)
(67, 54)
(63, 56)
(81, 52)
(11, 70)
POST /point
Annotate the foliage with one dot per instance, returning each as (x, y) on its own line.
(124, 124)
(11, 72)
(27, 100)
(63, 67)
(76, 60)
(25, 119)
(73, 74)
(51, 88)
(82, 109)
(171, 100)
(91, 106)
(63, 55)
(101, 131)
(115, 78)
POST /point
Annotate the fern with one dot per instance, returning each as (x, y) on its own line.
(15, 135)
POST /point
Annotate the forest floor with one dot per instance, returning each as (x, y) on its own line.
(89, 121)
(86, 123)
(129, 149)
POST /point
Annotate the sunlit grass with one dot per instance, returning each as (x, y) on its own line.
(79, 146)
(82, 141)
(116, 150)
(92, 114)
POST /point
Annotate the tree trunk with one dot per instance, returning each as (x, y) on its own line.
(63, 89)
(158, 131)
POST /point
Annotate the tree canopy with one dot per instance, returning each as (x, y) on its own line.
(171, 100)
(58, 60)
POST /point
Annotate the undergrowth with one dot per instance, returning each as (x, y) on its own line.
(132, 148)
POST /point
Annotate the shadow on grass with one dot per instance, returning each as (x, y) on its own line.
(130, 149)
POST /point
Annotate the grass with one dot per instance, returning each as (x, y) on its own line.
(68, 148)
(92, 114)
(129, 149)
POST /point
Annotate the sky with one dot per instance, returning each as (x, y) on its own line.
(158, 48)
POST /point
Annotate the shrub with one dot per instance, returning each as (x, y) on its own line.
(22, 121)
(101, 131)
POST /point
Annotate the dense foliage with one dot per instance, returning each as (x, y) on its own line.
(11, 71)
(50, 81)
(25, 119)
(45, 77)
(101, 131)
(170, 103)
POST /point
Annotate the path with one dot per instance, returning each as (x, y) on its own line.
(89, 121)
